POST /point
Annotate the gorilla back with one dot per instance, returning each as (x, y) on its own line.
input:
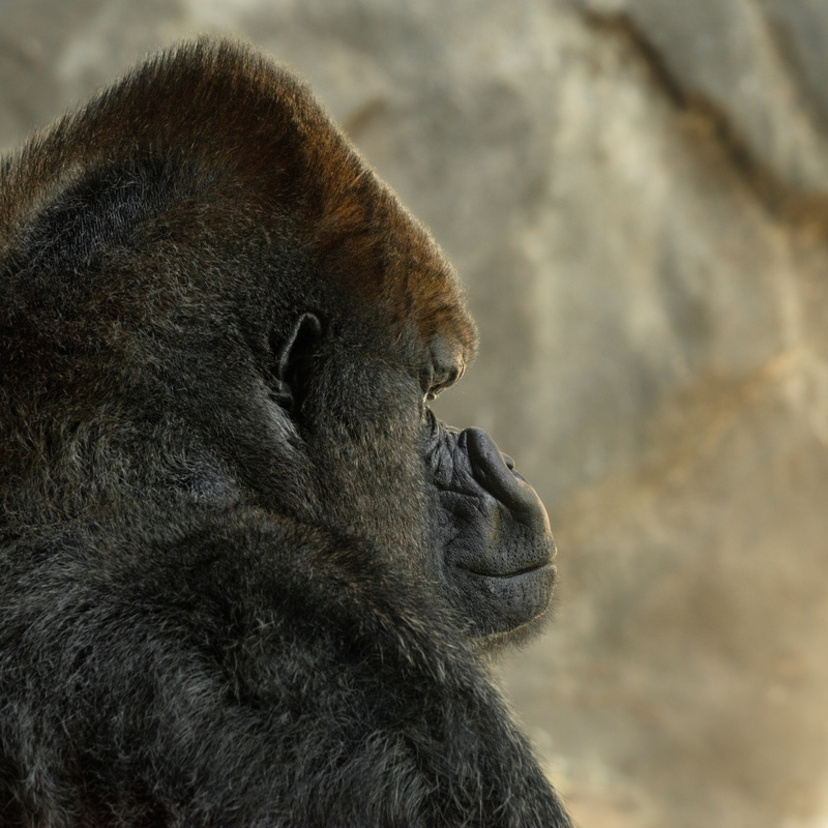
(246, 577)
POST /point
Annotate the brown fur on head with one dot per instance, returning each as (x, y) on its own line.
(256, 150)
(157, 248)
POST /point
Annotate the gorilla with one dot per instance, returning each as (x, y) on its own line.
(247, 578)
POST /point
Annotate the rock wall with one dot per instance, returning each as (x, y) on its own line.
(636, 194)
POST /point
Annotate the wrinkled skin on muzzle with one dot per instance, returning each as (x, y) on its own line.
(493, 531)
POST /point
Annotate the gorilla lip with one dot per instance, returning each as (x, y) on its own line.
(539, 569)
(485, 568)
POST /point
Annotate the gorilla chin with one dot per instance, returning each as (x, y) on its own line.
(246, 577)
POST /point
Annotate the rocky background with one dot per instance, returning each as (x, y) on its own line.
(636, 194)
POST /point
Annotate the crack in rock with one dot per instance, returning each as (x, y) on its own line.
(804, 213)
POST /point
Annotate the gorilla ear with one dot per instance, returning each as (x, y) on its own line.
(293, 361)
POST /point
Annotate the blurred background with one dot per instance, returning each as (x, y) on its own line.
(635, 193)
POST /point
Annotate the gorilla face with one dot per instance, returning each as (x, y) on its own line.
(490, 526)
(487, 537)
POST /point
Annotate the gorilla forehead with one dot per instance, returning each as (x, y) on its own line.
(253, 138)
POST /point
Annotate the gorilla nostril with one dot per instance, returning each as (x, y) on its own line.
(510, 463)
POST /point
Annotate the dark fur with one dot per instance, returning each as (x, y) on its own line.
(223, 599)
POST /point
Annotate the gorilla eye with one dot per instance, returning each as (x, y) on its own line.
(433, 391)
(427, 382)
(435, 380)
(445, 380)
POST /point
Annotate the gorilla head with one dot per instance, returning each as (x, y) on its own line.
(219, 337)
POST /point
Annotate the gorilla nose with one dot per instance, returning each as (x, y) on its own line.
(495, 472)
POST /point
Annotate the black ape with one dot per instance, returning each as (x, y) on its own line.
(245, 575)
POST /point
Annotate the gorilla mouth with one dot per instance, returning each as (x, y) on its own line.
(542, 566)
(538, 569)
